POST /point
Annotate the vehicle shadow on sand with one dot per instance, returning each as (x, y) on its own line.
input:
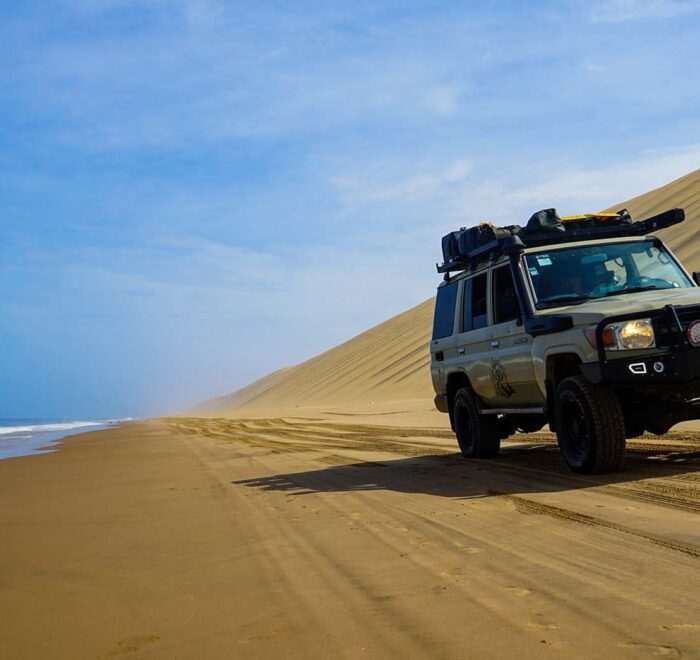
(667, 477)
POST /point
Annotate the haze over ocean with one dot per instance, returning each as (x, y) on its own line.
(197, 192)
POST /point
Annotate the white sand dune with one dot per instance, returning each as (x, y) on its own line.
(390, 361)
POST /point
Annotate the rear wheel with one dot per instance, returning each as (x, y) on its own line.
(477, 435)
(590, 426)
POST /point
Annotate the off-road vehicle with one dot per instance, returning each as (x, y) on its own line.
(586, 323)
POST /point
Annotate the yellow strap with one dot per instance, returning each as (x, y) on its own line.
(588, 216)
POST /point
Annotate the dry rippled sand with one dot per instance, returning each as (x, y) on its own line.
(312, 537)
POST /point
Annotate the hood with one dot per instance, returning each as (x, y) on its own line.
(592, 311)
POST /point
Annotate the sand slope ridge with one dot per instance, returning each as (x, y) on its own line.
(245, 395)
(387, 362)
(390, 361)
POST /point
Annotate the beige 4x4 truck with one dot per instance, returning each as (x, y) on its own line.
(588, 324)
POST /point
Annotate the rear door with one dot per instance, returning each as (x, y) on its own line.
(511, 369)
(442, 344)
(473, 339)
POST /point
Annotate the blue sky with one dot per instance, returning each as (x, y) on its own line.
(196, 192)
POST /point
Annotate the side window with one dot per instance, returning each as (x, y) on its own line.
(477, 306)
(445, 303)
(505, 300)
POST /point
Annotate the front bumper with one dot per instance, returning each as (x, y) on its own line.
(681, 366)
(678, 363)
(441, 403)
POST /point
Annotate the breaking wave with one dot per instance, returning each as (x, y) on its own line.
(56, 427)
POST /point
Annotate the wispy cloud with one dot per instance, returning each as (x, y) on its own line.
(377, 185)
(595, 188)
(620, 11)
(459, 193)
(443, 99)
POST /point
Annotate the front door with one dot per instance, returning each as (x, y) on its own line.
(511, 369)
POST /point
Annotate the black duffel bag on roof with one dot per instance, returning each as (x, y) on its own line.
(458, 244)
(545, 220)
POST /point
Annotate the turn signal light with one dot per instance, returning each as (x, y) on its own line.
(609, 338)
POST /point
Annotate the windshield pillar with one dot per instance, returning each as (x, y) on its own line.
(521, 290)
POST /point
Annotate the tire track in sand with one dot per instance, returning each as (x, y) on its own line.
(525, 505)
(663, 472)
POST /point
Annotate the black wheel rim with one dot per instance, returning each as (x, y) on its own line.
(577, 431)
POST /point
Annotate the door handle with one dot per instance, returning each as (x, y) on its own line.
(495, 343)
(460, 351)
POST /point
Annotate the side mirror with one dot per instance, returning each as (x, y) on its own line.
(543, 325)
(696, 277)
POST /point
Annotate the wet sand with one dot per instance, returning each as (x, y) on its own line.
(325, 536)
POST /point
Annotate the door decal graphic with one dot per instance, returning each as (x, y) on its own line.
(500, 379)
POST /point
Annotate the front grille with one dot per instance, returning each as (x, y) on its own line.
(668, 334)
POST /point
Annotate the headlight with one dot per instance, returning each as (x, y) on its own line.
(638, 333)
(635, 334)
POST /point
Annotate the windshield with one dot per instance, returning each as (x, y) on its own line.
(570, 275)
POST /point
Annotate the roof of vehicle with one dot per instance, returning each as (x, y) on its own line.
(589, 243)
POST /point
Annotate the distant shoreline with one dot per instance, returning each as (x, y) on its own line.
(29, 437)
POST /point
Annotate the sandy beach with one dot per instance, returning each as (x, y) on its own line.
(313, 537)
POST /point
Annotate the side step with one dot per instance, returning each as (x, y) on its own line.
(512, 411)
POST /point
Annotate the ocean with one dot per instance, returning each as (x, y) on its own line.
(26, 436)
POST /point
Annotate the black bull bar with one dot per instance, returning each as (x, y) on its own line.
(675, 361)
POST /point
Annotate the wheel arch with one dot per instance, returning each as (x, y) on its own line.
(456, 380)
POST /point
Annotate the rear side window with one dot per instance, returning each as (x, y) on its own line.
(505, 300)
(478, 306)
(445, 304)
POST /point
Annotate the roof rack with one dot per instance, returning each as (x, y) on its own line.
(517, 238)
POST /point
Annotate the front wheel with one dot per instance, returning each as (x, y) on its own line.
(590, 426)
(477, 435)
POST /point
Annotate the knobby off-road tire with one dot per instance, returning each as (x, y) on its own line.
(477, 435)
(590, 426)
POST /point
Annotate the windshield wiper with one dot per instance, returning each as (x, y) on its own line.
(632, 289)
(574, 298)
